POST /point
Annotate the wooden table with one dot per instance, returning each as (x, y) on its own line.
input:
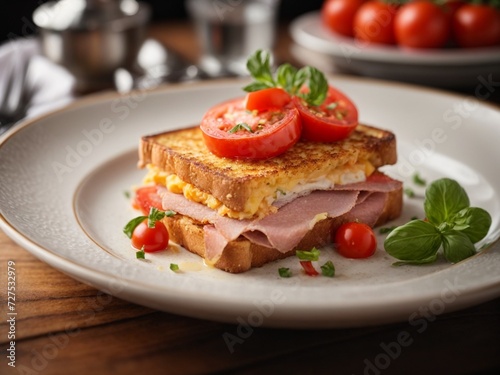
(65, 327)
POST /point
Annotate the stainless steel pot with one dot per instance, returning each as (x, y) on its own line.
(92, 38)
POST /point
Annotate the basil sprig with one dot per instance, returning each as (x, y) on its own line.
(288, 78)
(451, 225)
(154, 216)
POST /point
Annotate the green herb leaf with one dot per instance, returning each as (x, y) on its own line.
(474, 222)
(444, 198)
(419, 262)
(385, 230)
(318, 86)
(312, 255)
(288, 78)
(259, 66)
(417, 180)
(140, 254)
(240, 126)
(132, 224)
(328, 269)
(285, 272)
(174, 267)
(409, 192)
(414, 241)
(154, 215)
(457, 246)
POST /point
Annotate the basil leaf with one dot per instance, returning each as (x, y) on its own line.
(285, 77)
(154, 216)
(457, 246)
(444, 198)
(318, 86)
(428, 260)
(132, 224)
(259, 66)
(415, 241)
(474, 222)
(255, 86)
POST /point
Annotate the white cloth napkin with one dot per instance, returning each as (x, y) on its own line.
(47, 86)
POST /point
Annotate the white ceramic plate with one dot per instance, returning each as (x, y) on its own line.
(63, 178)
(450, 67)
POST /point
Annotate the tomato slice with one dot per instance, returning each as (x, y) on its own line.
(265, 99)
(332, 121)
(231, 131)
(147, 197)
(150, 239)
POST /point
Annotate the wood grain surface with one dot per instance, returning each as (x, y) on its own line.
(65, 327)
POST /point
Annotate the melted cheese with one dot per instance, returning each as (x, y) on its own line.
(266, 199)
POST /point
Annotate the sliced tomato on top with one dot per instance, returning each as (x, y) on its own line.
(331, 121)
(147, 197)
(265, 99)
(230, 130)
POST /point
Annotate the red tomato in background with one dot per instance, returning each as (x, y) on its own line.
(147, 197)
(374, 22)
(265, 99)
(422, 24)
(355, 240)
(476, 26)
(150, 239)
(273, 132)
(332, 121)
(338, 15)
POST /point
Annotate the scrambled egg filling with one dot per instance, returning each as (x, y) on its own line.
(261, 202)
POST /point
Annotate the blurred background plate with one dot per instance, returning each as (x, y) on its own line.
(447, 68)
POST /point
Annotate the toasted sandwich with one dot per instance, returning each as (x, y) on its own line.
(240, 214)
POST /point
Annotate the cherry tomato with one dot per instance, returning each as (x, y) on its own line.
(265, 99)
(150, 239)
(355, 240)
(476, 25)
(147, 197)
(309, 268)
(421, 24)
(231, 131)
(338, 15)
(332, 121)
(374, 22)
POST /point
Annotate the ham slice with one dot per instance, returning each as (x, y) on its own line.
(284, 229)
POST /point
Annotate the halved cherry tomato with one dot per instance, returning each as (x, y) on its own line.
(150, 239)
(147, 197)
(332, 121)
(231, 131)
(265, 99)
(355, 240)
(309, 268)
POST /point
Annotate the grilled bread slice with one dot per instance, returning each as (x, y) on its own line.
(244, 189)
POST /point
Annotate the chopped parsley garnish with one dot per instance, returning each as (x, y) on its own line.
(328, 269)
(140, 254)
(410, 193)
(312, 255)
(174, 267)
(240, 126)
(417, 180)
(285, 272)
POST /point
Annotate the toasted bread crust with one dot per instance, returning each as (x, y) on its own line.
(241, 255)
(184, 153)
